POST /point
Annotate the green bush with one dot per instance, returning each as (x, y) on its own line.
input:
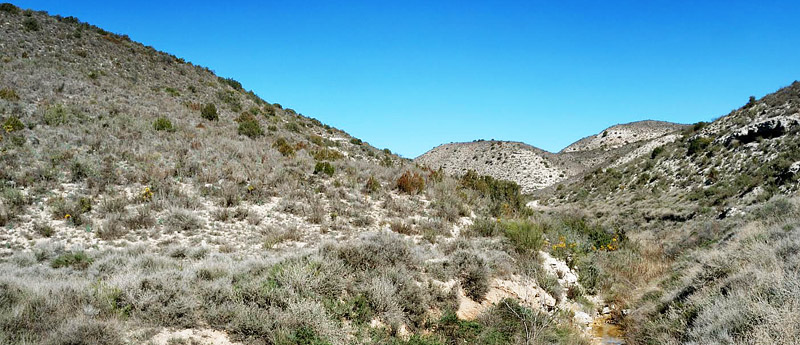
(325, 168)
(9, 94)
(57, 115)
(163, 124)
(656, 151)
(13, 124)
(78, 260)
(31, 24)
(209, 112)
(356, 141)
(506, 197)
(283, 147)
(698, 144)
(327, 155)
(231, 82)
(250, 128)
(9, 8)
(229, 97)
(524, 235)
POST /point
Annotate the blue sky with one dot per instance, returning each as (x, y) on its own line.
(410, 75)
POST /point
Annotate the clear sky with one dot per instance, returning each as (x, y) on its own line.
(410, 75)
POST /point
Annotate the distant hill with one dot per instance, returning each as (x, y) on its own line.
(534, 169)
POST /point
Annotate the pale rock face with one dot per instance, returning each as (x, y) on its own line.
(582, 318)
(558, 268)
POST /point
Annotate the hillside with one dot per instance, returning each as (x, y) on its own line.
(535, 169)
(147, 200)
(720, 204)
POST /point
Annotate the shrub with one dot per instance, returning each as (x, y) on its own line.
(372, 185)
(56, 115)
(163, 124)
(698, 144)
(524, 235)
(12, 124)
(327, 155)
(44, 230)
(472, 273)
(229, 97)
(325, 168)
(506, 197)
(209, 112)
(231, 82)
(411, 183)
(250, 128)
(9, 95)
(356, 141)
(78, 260)
(656, 151)
(9, 8)
(283, 147)
(31, 24)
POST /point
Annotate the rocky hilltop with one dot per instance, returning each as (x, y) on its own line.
(534, 169)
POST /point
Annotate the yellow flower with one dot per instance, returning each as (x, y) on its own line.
(67, 216)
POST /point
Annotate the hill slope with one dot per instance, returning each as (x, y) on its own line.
(534, 169)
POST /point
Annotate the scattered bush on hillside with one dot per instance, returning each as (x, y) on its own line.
(327, 155)
(9, 8)
(372, 185)
(356, 141)
(283, 146)
(12, 124)
(9, 94)
(231, 82)
(324, 168)
(411, 183)
(229, 97)
(697, 145)
(31, 24)
(473, 274)
(77, 260)
(505, 196)
(163, 124)
(209, 112)
(250, 128)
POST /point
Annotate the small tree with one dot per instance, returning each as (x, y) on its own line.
(209, 112)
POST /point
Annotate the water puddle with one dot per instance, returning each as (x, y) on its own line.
(606, 332)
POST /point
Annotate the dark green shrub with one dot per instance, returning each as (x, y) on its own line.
(9, 8)
(356, 141)
(31, 24)
(250, 128)
(411, 183)
(209, 112)
(231, 82)
(283, 147)
(656, 151)
(698, 144)
(163, 124)
(77, 260)
(9, 94)
(12, 124)
(325, 168)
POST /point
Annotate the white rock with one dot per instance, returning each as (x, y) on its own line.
(582, 318)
